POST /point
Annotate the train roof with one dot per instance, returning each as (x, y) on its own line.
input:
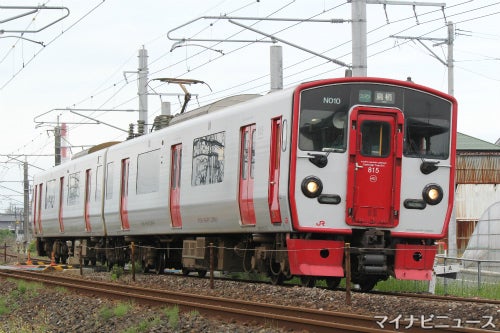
(215, 106)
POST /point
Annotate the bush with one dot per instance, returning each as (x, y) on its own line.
(116, 272)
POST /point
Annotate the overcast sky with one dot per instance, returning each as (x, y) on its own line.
(78, 54)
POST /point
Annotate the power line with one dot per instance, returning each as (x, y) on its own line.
(25, 64)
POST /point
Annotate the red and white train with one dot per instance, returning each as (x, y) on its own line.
(279, 184)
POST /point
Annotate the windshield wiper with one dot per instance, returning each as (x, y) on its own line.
(321, 160)
(428, 167)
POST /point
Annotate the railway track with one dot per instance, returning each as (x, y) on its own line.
(297, 318)
(442, 298)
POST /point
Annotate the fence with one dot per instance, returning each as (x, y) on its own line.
(472, 274)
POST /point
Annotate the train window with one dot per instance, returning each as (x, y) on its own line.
(208, 159)
(427, 132)
(323, 112)
(148, 176)
(98, 183)
(73, 188)
(322, 123)
(109, 181)
(252, 164)
(320, 129)
(50, 194)
(375, 138)
(244, 169)
(175, 166)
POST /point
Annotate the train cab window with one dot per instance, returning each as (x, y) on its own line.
(427, 126)
(375, 138)
(322, 122)
(322, 129)
(426, 138)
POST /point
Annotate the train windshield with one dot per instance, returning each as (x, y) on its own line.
(324, 111)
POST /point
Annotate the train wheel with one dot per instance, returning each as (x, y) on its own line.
(185, 271)
(201, 273)
(277, 279)
(332, 282)
(307, 281)
(145, 267)
(367, 284)
(160, 264)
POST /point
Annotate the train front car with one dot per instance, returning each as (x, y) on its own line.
(372, 165)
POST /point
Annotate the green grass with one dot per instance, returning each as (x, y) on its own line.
(119, 310)
(23, 290)
(172, 314)
(144, 325)
(116, 272)
(452, 287)
(106, 313)
(4, 306)
(6, 236)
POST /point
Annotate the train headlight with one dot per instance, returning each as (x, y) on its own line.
(312, 187)
(432, 194)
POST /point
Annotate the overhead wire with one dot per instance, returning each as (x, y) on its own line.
(288, 67)
(49, 43)
(302, 71)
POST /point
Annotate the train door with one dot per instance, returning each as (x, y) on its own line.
(86, 208)
(124, 194)
(175, 185)
(61, 201)
(247, 161)
(374, 171)
(274, 171)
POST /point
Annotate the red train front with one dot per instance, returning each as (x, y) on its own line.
(372, 165)
(279, 184)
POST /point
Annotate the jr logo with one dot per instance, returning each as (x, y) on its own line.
(320, 223)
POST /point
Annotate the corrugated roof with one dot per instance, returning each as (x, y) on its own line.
(467, 142)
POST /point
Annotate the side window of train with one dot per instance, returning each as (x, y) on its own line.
(98, 183)
(50, 194)
(208, 159)
(148, 172)
(109, 181)
(73, 188)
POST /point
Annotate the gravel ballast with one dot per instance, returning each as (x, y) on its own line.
(48, 309)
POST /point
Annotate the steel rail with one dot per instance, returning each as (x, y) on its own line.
(283, 316)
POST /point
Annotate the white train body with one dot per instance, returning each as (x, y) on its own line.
(302, 171)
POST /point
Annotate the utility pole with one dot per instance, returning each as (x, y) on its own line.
(57, 144)
(276, 53)
(449, 63)
(359, 32)
(142, 73)
(359, 39)
(26, 201)
(451, 78)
